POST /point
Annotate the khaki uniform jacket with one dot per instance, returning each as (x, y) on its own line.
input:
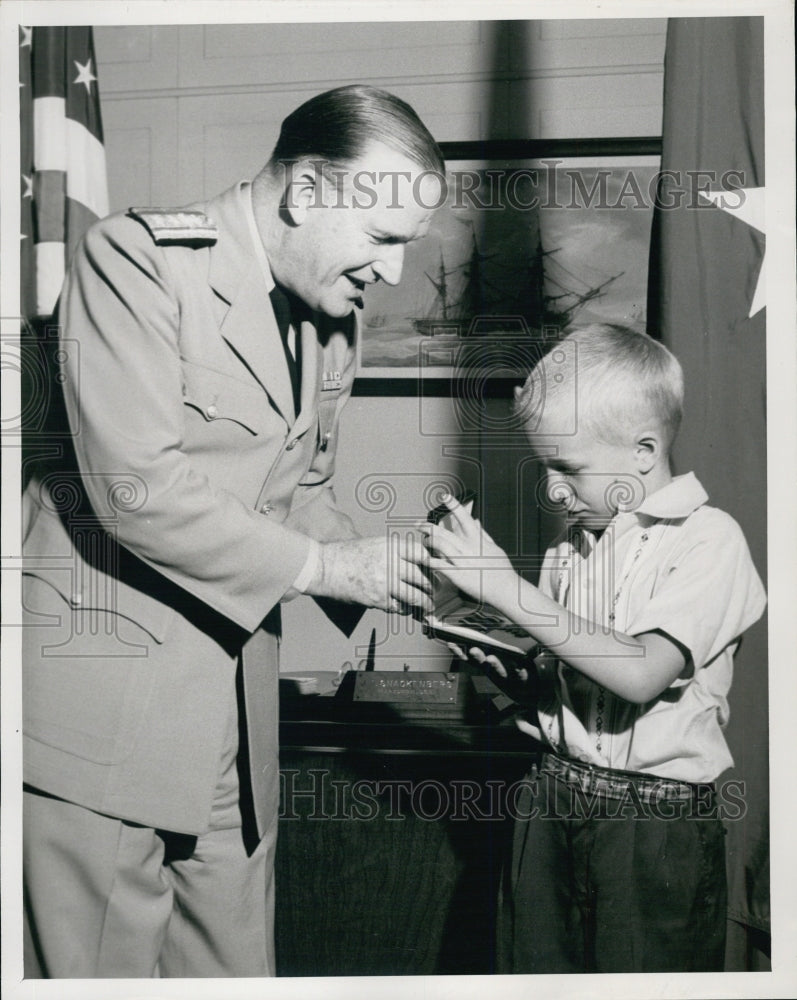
(158, 540)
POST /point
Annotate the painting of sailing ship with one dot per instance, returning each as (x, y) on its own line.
(509, 269)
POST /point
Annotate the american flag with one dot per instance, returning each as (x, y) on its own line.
(63, 185)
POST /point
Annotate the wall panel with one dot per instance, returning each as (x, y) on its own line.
(136, 59)
(141, 151)
(326, 54)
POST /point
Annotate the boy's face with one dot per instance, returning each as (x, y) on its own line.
(589, 478)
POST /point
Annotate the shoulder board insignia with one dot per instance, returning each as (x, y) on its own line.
(177, 225)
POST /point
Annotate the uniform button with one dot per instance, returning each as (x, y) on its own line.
(266, 508)
(212, 411)
(290, 445)
(77, 599)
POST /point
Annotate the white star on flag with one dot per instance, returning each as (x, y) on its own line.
(752, 211)
(84, 76)
(27, 35)
(28, 192)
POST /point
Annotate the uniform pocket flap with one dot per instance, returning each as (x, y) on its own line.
(220, 397)
(49, 556)
(115, 598)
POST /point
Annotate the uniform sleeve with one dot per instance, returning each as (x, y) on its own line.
(709, 592)
(123, 392)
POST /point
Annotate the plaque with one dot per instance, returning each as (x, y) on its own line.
(383, 696)
(400, 687)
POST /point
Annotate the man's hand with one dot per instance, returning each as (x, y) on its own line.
(377, 572)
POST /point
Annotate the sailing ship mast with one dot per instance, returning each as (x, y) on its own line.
(451, 314)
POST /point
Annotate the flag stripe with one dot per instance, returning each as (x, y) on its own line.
(49, 51)
(49, 196)
(86, 178)
(59, 143)
(27, 260)
(78, 220)
(49, 276)
(49, 133)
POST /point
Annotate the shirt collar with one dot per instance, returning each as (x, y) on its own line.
(260, 253)
(679, 498)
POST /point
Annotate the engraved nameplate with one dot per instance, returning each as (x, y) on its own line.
(428, 688)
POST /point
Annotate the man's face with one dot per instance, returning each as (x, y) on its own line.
(588, 477)
(352, 229)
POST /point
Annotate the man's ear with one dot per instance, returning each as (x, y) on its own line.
(648, 450)
(303, 190)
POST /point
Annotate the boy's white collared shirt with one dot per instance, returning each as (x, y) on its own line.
(674, 565)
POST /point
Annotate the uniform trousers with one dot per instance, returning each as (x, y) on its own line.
(108, 898)
(611, 871)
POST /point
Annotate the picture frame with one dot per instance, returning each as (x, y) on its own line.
(530, 235)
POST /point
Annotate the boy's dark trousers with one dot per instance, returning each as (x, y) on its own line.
(611, 871)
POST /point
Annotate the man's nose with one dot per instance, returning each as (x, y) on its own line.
(390, 263)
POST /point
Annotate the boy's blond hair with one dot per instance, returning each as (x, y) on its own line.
(614, 378)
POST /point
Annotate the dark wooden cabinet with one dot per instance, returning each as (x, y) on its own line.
(391, 843)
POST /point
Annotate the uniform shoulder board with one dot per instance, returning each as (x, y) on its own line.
(177, 225)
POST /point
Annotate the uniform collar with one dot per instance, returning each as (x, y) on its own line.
(236, 274)
(245, 191)
(231, 259)
(679, 498)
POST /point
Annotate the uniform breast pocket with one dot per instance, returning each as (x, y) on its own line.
(219, 404)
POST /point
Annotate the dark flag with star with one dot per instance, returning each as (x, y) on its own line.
(64, 184)
(706, 302)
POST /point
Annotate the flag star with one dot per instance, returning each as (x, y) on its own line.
(751, 209)
(27, 34)
(84, 75)
(28, 192)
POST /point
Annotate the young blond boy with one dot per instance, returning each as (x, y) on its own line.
(618, 857)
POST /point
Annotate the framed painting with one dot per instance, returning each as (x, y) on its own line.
(531, 237)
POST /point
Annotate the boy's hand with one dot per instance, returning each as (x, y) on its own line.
(467, 556)
(513, 677)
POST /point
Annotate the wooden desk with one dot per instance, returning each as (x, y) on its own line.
(391, 843)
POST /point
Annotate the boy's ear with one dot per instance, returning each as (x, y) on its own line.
(302, 190)
(648, 451)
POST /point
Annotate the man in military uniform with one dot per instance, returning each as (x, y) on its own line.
(205, 357)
